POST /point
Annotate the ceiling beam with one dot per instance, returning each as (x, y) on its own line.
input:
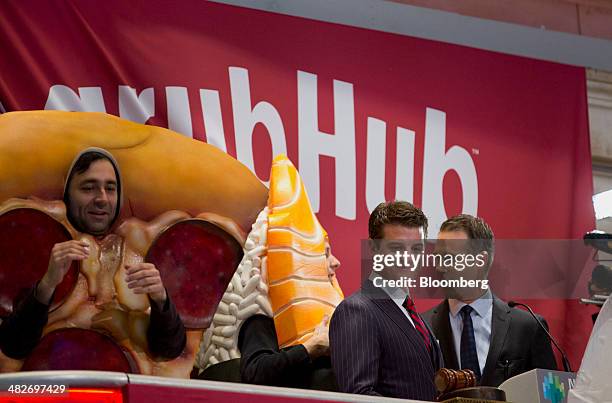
(403, 19)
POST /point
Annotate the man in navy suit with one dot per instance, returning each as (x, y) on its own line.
(477, 330)
(379, 344)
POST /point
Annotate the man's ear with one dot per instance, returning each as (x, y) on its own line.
(488, 262)
(374, 245)
(485, 255)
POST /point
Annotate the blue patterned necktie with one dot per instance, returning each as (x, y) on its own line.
(469, 356)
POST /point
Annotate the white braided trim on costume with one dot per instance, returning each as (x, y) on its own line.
(246, 295)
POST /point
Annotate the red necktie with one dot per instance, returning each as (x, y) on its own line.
(418, 322)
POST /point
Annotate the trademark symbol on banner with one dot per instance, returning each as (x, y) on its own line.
(475, 151)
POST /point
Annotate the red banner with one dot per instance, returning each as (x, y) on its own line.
(366, 116)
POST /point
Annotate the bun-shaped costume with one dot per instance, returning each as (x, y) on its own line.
(179, 212)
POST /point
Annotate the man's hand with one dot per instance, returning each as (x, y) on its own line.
(62, 256)
(144, 278)
(318, 344)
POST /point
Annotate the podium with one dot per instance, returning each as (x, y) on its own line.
(539, 386)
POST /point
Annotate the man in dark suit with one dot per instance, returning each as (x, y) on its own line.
(379, 344)
(477, 330)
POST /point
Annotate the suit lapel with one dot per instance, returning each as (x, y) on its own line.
(393, 312)
(500, 323)
(442, 329)
(437, 357)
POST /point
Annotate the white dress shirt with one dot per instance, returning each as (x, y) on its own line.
(481, 315)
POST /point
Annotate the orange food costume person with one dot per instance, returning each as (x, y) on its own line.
(275, 311)
(181, 221)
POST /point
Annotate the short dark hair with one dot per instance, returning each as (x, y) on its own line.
(395, 212)
(475, 228)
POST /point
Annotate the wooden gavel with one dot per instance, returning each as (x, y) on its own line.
(448, 380)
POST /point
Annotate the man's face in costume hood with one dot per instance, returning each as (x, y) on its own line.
(93, 198)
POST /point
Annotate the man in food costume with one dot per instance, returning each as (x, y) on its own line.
(92, 196)
(271, 324)
(179, 216)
